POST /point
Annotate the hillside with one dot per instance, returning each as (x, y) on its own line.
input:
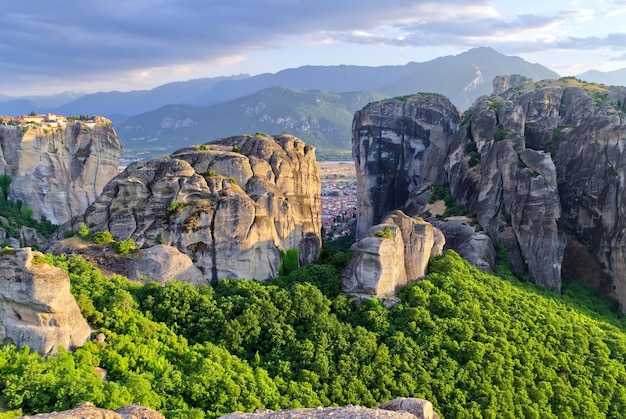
(473, 343)
(321, 118)
(614, 78)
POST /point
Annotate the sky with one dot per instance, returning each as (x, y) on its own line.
(52, 46)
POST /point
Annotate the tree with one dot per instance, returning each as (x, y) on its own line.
(5, 182)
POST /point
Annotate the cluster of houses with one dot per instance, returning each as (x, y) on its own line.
(338, 207)
(49, 120)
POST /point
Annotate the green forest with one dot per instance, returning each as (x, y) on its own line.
(474, 344)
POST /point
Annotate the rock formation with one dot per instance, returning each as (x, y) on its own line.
(400, 408)
(528, 161)
(231, 205)
(584, 127)
(398, 144)
(570, 137)
(395, 253)
(511, 189)
(89, 411)
(36, 306)
(474, 246)
(160, 263)
(58, 172)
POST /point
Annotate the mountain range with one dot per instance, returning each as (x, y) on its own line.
(313, 102)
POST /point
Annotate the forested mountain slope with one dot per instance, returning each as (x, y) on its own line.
(472, 343)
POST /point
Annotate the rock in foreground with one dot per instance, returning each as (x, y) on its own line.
(36, 306)
(89, 411)
(401, 408)
(395, 253)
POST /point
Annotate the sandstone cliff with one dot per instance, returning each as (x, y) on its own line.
(58, 172)
(231, 205)
(395, 253)
(398, 144)
(36, 306)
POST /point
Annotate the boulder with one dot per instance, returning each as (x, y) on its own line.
(162, 263)
(421, 408)
(36, 307)
(474, 246)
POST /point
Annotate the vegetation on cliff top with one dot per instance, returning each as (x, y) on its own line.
(472, 343)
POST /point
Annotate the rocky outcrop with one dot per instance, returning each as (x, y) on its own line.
(398, 144)
(569, 137)
(395, 253)
(162, 263)
(401, 408)
(474, 246)
(583, 126)
(89, 411)
(231, 205)
(511, 189)
(36, 306)
(159, 263)
(58, 172)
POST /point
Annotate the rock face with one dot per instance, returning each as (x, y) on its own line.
(89, 411)
(584, 127)
(58, 172)
(231, 205)
(551, 156)
(511, 189)
(397, 145)
(395, 253)
(36, 306)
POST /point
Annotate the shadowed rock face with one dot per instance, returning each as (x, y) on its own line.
(59, 172)
(36, 306)
(231, 205)
(529, 160)
(569, 139)
(513, 191)
(397, 145)
(584, 127)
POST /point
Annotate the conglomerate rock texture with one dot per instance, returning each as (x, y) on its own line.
(58, 172)
(398, 144)
(231, 205)
(36, 307)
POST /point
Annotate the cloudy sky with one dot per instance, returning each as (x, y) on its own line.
(49, 46)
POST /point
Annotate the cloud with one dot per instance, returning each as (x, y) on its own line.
(88, 37)
(619, 58)
(90, 41)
